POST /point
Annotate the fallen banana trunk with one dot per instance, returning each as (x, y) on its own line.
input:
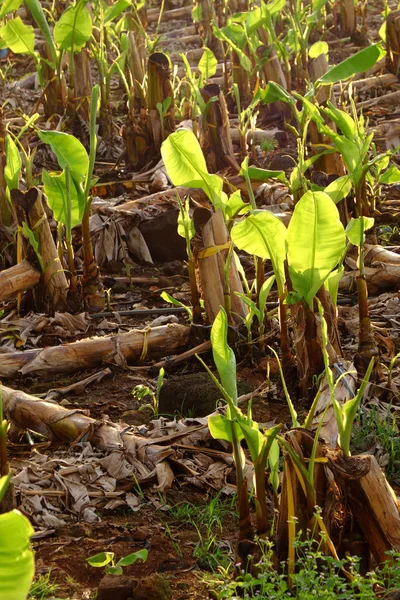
(59, 424)
(18, 279)
(130, 347)
(379, 279)
(378, 255)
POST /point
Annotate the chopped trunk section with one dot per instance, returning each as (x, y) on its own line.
(216, 140)
(55, 283)
(217, 289)
(18, 279)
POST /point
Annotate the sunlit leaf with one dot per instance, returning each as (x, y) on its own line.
(356, 228)
(13, 166)
(316, 242)
(16, 557)
(101, 559)
(264, 235)
(8, 6)
(20, 38)
(56, 191)
(186, 165)
(132, 558)
(74, 28)
(223, 355)
(69, 151)
(317, 49)
(208, 64)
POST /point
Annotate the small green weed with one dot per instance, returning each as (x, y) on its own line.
(43, 588)
(269, 144)
(373, 427)
(316, 576)
(207, 519)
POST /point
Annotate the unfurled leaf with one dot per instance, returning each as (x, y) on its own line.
(339, 189)
(318, 4)
(316, 242)
(69, 151)
(343, 120)
(20, 38)
(101, 560)
(208, 64)
(235, 205)
(168, 298)
(55, 188)
(357, 227)
(273, 92)
(113, 570)
(317, 49)
(186, 165)
(220, 427)
(223, 355)
(17, 565)
(8, 6)
(358, 63)
(74, 28)
(265, 174)
(264, 235)
(132, 558)
(391, 175)
(115, 10)
(235, 36)
(197, 13)
(13, 166)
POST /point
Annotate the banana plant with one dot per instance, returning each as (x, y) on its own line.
(71, 33)
(264, 235)
(235, 426)
(258, 310)
(187, 231)
(346, 413)
(313, 245)
(109, 31)
(69, 196)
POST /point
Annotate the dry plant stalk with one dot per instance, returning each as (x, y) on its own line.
(55, 95)
(215, 134)
(55, 285)
(79, 94)
(344, 12)
(393, 41)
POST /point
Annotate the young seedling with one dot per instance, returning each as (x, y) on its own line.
(143, 391)
(235, 426)
(69, 197)
(113, 567)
